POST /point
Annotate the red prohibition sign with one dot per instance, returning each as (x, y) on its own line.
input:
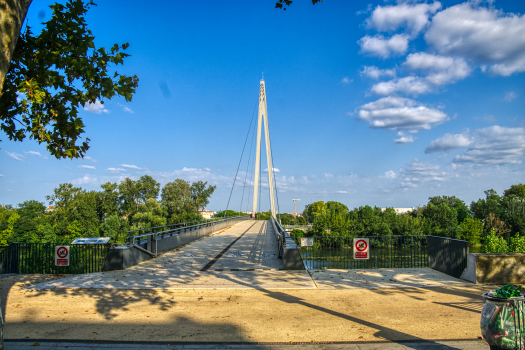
(361, 245)
(62, 252)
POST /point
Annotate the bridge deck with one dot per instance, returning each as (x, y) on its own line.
(239, 257)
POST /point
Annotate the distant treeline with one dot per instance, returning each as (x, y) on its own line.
(75, 212)
(503, 216)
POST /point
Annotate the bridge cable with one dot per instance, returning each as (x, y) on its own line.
(240, 160)
(246, 174)
(252, 184)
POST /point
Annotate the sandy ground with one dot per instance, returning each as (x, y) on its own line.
(241, 315)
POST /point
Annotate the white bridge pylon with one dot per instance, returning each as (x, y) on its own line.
(263, 115)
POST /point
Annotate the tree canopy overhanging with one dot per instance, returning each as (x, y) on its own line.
(52, 75)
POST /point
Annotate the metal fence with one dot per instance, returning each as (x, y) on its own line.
(39, 258)
(298, 227)
(336, 252)
(447, 255)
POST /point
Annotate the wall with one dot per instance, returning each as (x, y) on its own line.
(495, 268)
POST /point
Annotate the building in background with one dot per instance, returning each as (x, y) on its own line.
(207, 214)
(400, 210)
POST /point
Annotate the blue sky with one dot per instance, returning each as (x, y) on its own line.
(382, 103)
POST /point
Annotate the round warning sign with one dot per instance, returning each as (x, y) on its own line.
(361, 245)
(62, 252)
(361, 248)
(62, 255)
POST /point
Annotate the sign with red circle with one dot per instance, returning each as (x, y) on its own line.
(62, 255)
(361, 246)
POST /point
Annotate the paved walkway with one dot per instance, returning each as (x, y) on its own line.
(444, 345)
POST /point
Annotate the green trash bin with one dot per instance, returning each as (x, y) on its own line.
(502, 322)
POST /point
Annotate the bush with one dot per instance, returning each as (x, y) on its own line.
(517, 244)
(494, 244)
(297, 233)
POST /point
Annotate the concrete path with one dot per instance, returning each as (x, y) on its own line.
(445, 345)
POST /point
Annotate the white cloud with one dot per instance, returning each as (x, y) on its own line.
(376, 73)
(390, 174)
(328, 175)
(398, 113)
(404, 139)
(207, 169)
(126, 109)
(115, 170)
(346, 80)
(417, 172)
(440, 70)
(495, 145)
(340, 192)
(412, 17)
(1, 175)
(510, 95)
(381, 47)
(86, 167)
(275, 170)
(449, 142)
(96, 107)
(128, 166)
(409, 85)
(89, 158)
(16, 156)
(485, 35)
(86, 180)
(33, 153)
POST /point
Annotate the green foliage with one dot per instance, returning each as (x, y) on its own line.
(494, 244)
(296, 233)
(517, 244)
(200, 194)
(471, 230)
(54, 74)
(150, 215)
(8, 218)
(312, 211)
(287, 219)
(517, 190)
(226, 213)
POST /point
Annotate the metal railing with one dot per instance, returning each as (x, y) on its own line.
(336, 252)
(122, 236)
(153, 236)
(39, 258)
(447, 255)
(298, 227)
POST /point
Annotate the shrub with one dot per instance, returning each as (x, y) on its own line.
(517, 244)
(494, 244)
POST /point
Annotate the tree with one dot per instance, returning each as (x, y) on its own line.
(281, 4)
(53, 74)
(336, 207)
(312, 211)
(287, 219)
(149, 215)
(75, 213)
(515, 190)
(134, 193)
(490, 205)
(8, 218)
(176, 196)
(200, 194)
(471, 230)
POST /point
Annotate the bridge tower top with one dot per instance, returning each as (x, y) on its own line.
(263, 117)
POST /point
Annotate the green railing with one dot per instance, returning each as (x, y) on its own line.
(39, 258)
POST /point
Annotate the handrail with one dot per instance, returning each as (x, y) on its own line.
(131, 239)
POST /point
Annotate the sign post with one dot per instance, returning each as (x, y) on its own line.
(62, 255)
(361, 248)
(307, 242)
